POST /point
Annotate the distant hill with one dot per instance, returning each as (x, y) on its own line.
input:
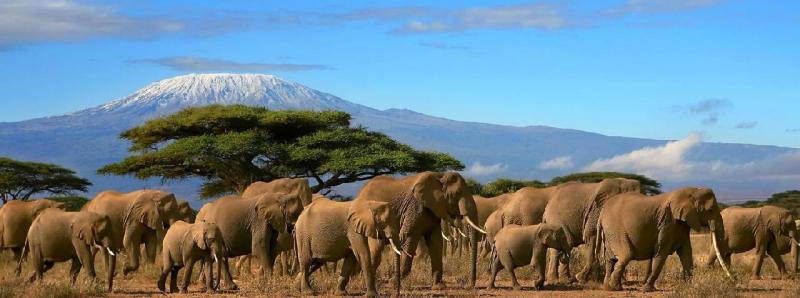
(87, 139)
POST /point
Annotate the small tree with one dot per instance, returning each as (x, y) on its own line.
(787, 199)
(71, 203)
(503, 185)
(233, 146)
(19, 180)
(649, 186)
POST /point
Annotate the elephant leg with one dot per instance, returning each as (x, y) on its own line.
(262, 250)
(74, 269)
(150, 245)
(434, 242)
(173, 279)
(609, 268)
(187, 275)
(775, 255)
(760, 253)
(588, 255)
(112, 261)
(361, 253)
(685, 255)
(615, 280)
(658, 265)
(226, 273)
(494, 265)
(165, 271)
(86, 260)
(564, 271)
(209, 272)
(132, 245)
(348, 266)
(552, 266)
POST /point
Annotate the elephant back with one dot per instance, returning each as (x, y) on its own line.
(294, 186)
(17, 219)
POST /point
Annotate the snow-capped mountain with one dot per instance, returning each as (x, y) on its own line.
(88, 139)
(169, 95)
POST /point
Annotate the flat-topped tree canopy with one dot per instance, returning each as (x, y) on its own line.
(232, 146)
(19, 180)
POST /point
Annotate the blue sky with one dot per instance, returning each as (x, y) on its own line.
(643, 68)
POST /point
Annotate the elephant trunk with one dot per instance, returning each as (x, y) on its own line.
(469, 212)
(718, 240)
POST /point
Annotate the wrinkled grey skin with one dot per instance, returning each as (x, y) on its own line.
(184, 245)
(16, 218)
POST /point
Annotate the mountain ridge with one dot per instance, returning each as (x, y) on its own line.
(87, 139)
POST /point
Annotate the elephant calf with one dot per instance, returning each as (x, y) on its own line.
(329, 231)
(59, 236)
(185, 244)
(517, 246)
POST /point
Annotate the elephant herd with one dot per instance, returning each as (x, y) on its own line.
(612, 220)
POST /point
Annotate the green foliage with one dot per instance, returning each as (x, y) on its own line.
(649, 186)
(71, 203)
(475, 186)
(787, 199)
(503, 185)
(19, 180)
(233, 146)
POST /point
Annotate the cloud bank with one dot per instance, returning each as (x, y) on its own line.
(558, 163)
(196, 64)
(479, 169)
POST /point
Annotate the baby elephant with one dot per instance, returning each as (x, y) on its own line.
(185, 244)
(517, 246)
(59, 236)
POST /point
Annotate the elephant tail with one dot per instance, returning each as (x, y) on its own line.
(22, 256)
(600, 240)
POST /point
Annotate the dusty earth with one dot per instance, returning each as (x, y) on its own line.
(707, 282)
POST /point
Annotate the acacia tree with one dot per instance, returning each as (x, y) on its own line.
(19, 180)
(503, 185)
(649, 186)
(232, 146)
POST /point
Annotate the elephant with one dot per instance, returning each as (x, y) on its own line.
(59, 236)
(329, 231)
(487, 206)
(251, 225)
(185, 212)
(770, 230)
(576, 206)
(633, 226)
(293, 186)
(136, 219)
(15, 220)
(422, 201)
(185, 244)
(517, 246)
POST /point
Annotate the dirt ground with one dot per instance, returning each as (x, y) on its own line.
(707, 282)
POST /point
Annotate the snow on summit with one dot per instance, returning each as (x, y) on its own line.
(170, 95)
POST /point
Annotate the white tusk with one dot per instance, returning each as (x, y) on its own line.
(462, 233)
(474, 226)
(394, 247)
(110, 252)
(215, 258)
(445, 237)
(98, 246)
(719, 255)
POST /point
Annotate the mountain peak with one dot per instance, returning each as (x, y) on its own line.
(172, 94)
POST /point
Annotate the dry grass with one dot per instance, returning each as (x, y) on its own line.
(706, 283)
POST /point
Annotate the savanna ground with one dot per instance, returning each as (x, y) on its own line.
(707, 282)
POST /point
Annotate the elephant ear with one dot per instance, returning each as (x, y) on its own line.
(363, 217)
(198, 235)
(145, 212)
(85, 230)
(547, 236)
(430, 192)
(774, 222)
(683, 206)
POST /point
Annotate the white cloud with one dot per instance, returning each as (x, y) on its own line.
(28, 21)
(478, 169)
(558, 163)
(537, 15)
(667, 161)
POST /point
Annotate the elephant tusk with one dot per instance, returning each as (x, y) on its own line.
(215, 258)
(394, 247)
(474, 226)
(719, 255)
(462, 234)
(445, 237)
(111, 252)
